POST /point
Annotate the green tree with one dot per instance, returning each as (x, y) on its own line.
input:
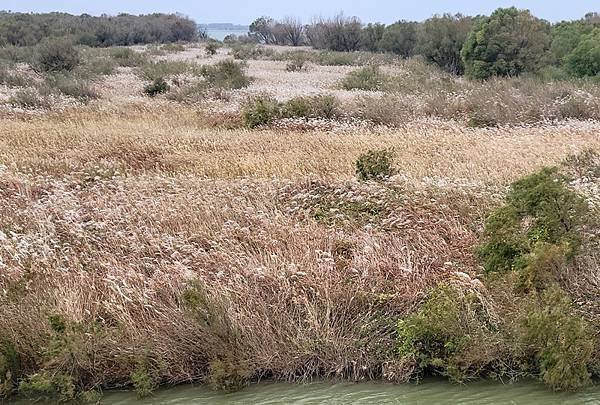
(584, 60)
(441, 38)
(262, 30)
(507, 43)
(565, 38)
(400, 38)
(371, 36)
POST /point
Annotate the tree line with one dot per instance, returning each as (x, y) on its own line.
(29, 29)
(509, 42)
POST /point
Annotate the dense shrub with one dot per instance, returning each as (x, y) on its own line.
(319, 106)
(29, 99)
(69, 85)
(56, 55)
(369, 78)
(507, 43)
(339, 33)
(9, 77)
(541, 219)
(561, 340)
(443, 335)
(441, 40)
(166, 69)
(400, 38)
(375, 165)
(297, 62)
(158, 86)
(371, 36)
(584, 60)
(226, 74)
(127, 57)
(27, 29)
(211, 48)
(260, 111)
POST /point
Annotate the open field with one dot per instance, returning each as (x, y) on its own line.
(146, 241)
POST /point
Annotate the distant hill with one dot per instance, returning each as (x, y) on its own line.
(224, 26)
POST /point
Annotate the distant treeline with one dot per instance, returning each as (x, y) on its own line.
(507, 43)
(24, 29)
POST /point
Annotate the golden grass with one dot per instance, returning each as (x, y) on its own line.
(176, 140)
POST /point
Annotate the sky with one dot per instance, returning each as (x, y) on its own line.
(244, 11)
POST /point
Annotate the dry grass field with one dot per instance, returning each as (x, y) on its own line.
(146, 241)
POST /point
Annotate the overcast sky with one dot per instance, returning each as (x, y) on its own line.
(244, 11)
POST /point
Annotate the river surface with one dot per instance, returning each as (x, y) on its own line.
(428, 392)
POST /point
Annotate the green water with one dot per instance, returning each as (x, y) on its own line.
(429, 392)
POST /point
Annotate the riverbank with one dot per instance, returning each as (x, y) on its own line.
(141, 246)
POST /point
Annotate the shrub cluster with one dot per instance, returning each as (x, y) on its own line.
(509, 42)
(262, 111)
(28, 29)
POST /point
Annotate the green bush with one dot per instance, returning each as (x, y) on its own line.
(507, 43)
(158, 86)
(319, 106)
(561, 340)
(584, 60)
(10, 78)
(368, 78)
(375, 165)
(69, 85)
(246, 52)
(297, 62)
(29, 99)
(260, 111)
(49, 386)
(127, 57)
(166, 69)
(227, 375)
(226, 74)
(540, 210)
(56, 55)
(439, 338)
(211, 48)
(173, 48)
(10, 369)
(142, 380)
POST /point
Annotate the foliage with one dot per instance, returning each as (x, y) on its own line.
(143, 380)
(69, 85)
(339, 33)
(260, 111)
(158, 86)
(371, 36)
(166, 69)
(127, 57)
(226, 74)
(211, 48)
(369, 78)
(57, 386)
(318, 106)
(297, 62)
(29, 99)
(441, 39)
(562, 343)
(227, 375)
(438, 338)
(375, 165)
(28, 29)
(537, 228)
(56, 55)
(10, 369)
(507, 43)
(400, 38)
(584, 60)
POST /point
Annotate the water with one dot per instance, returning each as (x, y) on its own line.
(221, 34)
(429, 392)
